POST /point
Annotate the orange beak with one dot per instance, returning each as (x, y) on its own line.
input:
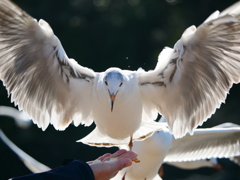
(112, 97)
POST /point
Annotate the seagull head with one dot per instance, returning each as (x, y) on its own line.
(113, 80)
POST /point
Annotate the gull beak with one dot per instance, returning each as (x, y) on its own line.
(112, 97)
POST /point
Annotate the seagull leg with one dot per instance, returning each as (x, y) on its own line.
(130, 144)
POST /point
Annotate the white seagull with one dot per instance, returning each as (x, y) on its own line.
(189, 82)
(205, 143)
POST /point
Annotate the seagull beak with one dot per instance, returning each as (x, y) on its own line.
(112, 97)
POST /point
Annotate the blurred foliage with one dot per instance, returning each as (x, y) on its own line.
(100, 34)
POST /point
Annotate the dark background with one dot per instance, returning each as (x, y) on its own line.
(105, 33)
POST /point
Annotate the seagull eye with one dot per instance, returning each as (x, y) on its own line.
(106, 83)
(120, 84)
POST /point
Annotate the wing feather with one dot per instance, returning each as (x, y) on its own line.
(235, 160)
(205, 143)
(37, 73)
(197, 73)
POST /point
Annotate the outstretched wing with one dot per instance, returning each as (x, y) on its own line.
(191, 80)
(37, 73)
(205, 143)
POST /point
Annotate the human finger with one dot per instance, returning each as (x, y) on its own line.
(99, 159)
(115, 155)
(104, 156)
(126, 155)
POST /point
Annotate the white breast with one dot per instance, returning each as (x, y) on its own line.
(126, 116)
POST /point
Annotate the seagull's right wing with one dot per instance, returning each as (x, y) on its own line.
(205, 144)
(37, 73)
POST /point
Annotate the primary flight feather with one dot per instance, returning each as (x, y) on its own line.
(189, 82)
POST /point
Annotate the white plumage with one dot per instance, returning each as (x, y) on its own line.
(188, 165)
(189, 82)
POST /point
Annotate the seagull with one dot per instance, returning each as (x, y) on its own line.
(31, 163)
(188, 84)
(22, 120)
(205, 143)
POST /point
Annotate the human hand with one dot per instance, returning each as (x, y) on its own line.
(108, 165)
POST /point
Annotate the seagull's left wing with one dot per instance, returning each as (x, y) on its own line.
(191, 80)
(205, 144)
